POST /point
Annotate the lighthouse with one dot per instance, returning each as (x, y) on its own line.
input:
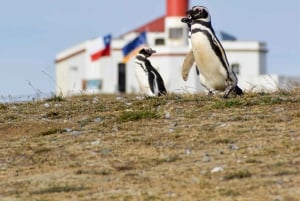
(176, 31)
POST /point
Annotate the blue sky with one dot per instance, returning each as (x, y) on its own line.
(32, 32)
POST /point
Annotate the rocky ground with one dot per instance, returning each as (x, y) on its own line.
(177, 147)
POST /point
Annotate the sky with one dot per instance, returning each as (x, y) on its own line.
(33, 32)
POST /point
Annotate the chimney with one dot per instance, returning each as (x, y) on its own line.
(176, 8)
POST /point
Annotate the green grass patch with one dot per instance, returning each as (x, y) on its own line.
(55, 98)
(3, 106)
(138, 115)
(226, 103)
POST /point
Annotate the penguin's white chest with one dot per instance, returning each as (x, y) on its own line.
(213, 74)
(142, 78)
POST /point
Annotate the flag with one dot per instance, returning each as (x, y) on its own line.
(99, 47)
(226, 36)
(133, 46)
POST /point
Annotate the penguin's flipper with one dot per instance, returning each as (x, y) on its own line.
(156, 83)
(187, 65)
(161, 85)
(152, 83)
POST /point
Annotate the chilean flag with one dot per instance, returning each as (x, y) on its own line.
(99, 47)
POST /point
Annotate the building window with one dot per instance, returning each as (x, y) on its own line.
(176, 33)
(93, 84)
(74, 68)
(236, 68)
(159, 41)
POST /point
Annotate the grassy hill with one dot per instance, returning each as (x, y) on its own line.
(177, 147)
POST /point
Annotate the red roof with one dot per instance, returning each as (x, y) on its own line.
(156, 25)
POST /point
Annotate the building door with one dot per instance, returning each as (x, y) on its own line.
(74, 85)
(122, 77)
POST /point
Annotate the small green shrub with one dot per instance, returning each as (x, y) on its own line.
(55, 98)
(137, 115)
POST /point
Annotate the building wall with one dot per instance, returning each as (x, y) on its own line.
(176, 33)
(103, 73)
(259, 83)
(169, 63)
(109, 72)
(70, 73)
(249, 55)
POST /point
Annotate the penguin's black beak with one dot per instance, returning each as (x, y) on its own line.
(186, 20)
(147, 52)
(151, 51)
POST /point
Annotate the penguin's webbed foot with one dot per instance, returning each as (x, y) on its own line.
(238, 91)
(210, 93)
(228, 90)
(233, 89)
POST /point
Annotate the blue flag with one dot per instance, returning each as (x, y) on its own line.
(133, 46)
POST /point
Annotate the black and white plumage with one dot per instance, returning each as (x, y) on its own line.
(207, 52)
(150, 81)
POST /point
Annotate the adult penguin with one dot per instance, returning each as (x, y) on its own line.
(207, 52)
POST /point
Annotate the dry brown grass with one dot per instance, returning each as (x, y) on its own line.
(178, 147)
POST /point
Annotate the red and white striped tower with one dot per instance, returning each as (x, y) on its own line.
(176, 31)
(177, 8)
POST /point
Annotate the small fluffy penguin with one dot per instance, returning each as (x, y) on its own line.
(207, 52)
(150, 81)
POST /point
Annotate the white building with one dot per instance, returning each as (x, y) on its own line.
(76, 74)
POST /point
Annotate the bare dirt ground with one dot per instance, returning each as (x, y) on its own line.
(178, 147)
